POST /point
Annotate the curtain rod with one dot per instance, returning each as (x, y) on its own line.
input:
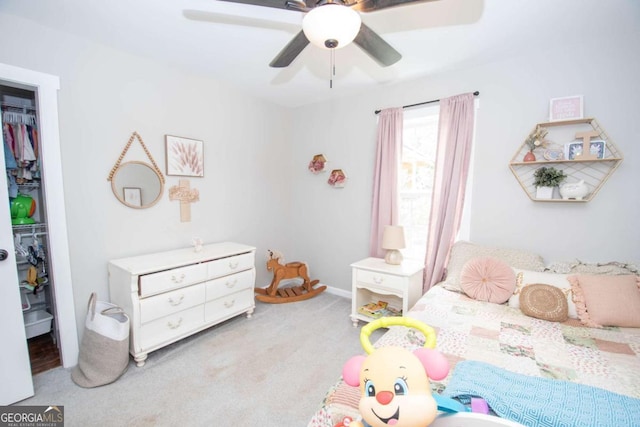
(476, 93)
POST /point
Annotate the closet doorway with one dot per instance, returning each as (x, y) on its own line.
(51, 264)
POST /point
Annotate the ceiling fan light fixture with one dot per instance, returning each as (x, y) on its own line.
(331, 26)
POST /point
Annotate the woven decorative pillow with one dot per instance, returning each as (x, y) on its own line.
(526, 277)
(488, 279)
(544, 302)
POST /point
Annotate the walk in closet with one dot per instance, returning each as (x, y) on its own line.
(27, 205)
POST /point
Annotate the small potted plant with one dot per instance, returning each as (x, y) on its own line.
(535, 140)
(546, 178)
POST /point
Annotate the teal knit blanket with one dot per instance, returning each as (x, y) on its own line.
(541, 402)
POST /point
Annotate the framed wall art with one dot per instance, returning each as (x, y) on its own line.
(597, 148)
(185, 157)
(133, 196)
(337, 178)
(317, 164)
(567, 108)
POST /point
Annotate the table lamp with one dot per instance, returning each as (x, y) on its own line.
(392, 240)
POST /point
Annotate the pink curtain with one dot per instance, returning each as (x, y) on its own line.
(455, 134)
(384, 210)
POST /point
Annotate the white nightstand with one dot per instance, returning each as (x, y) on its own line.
(374, 280)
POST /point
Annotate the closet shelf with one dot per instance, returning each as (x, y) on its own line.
(29, 186)
(17, 106)
(29, 227)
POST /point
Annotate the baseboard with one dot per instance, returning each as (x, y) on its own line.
(339, 292)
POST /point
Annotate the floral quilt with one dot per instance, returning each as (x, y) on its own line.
(608, 358)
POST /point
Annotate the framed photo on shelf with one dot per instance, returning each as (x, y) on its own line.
(567, 108)
(185, 157)
(132, 196)
(572, 149)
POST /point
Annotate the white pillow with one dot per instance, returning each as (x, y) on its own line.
(526, 277)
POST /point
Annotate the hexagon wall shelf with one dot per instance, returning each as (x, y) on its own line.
(594, 172)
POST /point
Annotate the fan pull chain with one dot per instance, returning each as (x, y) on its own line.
(332, 67)
(333, 56)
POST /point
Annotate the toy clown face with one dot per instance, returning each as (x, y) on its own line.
(395, 390)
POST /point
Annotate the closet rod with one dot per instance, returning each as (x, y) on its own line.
(476, 93)
(24, 107)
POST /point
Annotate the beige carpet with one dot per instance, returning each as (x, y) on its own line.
(271, 370)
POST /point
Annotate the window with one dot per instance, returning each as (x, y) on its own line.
(416, 176)
(417, 166)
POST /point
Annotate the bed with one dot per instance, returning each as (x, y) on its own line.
(501, 338)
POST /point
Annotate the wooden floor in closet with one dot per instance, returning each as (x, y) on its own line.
(43, 353)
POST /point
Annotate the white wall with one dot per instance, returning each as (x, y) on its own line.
(257, 189)
(333, 228)
(105, 95)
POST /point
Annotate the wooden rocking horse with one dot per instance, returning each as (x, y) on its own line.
(290, 270)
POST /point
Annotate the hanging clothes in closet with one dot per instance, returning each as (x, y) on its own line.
(20, 137)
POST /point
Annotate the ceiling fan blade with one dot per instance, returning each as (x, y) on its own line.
(373, 5)
(297, 5)
(245, 21)
(376, 47)
(290, 51)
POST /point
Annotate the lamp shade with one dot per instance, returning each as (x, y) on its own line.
(393, 237)
(331, 26)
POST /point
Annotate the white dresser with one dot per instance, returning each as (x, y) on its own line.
(171, 295)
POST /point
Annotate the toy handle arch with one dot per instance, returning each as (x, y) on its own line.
(384, 322)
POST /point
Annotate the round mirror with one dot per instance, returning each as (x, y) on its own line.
(137, 185)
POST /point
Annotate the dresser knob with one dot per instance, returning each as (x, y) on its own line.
(176, 325)
(231, 284)
(229, 304)
(175, 302)
(175, 279)
(378, 279)
(233, 265)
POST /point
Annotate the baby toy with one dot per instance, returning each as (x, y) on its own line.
(290, 270)
(394, 381)
(22, 209)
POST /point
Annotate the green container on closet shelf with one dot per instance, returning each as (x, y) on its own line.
(22, 208)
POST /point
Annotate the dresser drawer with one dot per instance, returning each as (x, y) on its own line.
(228, 305)
(171, 302)
(156, 283)
(380, 280)
(169, 327)
(225, 266)
(222, 286)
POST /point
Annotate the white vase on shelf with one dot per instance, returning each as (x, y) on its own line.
(544, 192)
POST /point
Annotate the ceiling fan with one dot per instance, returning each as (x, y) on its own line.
(333, 24)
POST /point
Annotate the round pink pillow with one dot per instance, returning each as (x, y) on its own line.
(488, 279)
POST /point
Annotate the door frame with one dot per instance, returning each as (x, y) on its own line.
(46, 88)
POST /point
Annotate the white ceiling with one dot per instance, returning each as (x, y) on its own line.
(236, 42)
